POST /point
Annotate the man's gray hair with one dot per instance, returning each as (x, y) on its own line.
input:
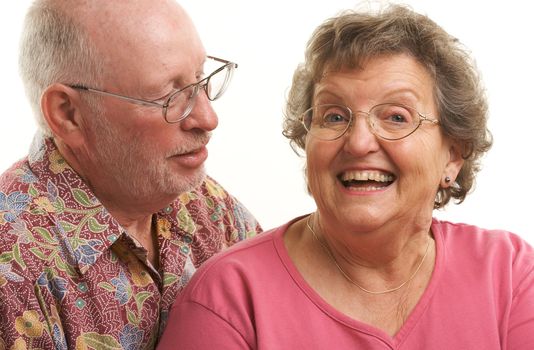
(55, 48)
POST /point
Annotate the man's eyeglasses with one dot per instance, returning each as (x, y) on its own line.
(179, 103)
(389, 121)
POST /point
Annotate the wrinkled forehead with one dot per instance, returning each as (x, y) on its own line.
(348, 61)
(385, 78)
(132, 36)
(127, 25)
(354, 64)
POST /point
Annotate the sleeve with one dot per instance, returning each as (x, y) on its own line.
(22, 323)
(521, 321)
(192, 326)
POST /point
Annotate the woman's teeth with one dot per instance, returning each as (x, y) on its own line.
(367, 176)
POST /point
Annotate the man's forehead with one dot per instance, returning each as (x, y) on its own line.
(94, 6)
(127, 14)
(149, 40)
(136, 25)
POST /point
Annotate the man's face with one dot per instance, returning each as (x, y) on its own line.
(148, 162)
(131, 150)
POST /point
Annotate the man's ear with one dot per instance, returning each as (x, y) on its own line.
(60, 105)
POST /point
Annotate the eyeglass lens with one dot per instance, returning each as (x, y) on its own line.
(182, 103)
(389, 121)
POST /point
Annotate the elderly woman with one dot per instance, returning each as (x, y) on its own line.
(391, 115)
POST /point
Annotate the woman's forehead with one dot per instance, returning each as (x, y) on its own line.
(384, 74)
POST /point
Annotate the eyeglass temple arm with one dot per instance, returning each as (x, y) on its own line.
(131, 99)
(427, 119)
(222, 60)
(79, 87)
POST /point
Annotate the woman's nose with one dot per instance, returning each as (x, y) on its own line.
(360, 138)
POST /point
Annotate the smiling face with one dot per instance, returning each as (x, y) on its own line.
(361, 182)
(130, 150)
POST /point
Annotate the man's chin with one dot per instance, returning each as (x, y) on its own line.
(193, 182)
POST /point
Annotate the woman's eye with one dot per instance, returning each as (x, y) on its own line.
(392, 114)
(334, 118)
(397, 118)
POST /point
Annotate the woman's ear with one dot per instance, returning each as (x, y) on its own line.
(455, 162)
(60, 105)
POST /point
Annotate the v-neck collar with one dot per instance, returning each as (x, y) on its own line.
(412, 320)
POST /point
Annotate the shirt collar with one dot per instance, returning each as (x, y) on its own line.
(82, 226)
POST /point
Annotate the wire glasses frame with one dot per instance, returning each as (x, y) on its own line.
(389, 121)
(178, 104)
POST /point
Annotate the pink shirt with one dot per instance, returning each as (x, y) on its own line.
(481, 296)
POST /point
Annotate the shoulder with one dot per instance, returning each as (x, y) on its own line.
(212, 197)
(474, 236)
(216, 193)
(244, 257)
(503, 252)
(242, 267)
(211, 204)
(16, 179)
(211, 190)
(230, 283)
(226, 291)
(17, 192)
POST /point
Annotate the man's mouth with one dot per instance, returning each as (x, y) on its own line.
(191, 158)
(190, 152)
(366, 180)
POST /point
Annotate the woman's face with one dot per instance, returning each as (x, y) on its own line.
(345, 175)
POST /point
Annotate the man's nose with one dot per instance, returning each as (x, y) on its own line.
(202, 114)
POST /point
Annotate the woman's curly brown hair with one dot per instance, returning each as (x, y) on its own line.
(350, 38)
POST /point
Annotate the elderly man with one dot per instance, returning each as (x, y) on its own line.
(104, 222)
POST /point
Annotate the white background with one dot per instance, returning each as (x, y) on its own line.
(248, 154)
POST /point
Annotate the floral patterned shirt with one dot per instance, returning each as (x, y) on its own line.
(72, 278)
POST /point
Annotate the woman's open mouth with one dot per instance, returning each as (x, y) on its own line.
(371, 180)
